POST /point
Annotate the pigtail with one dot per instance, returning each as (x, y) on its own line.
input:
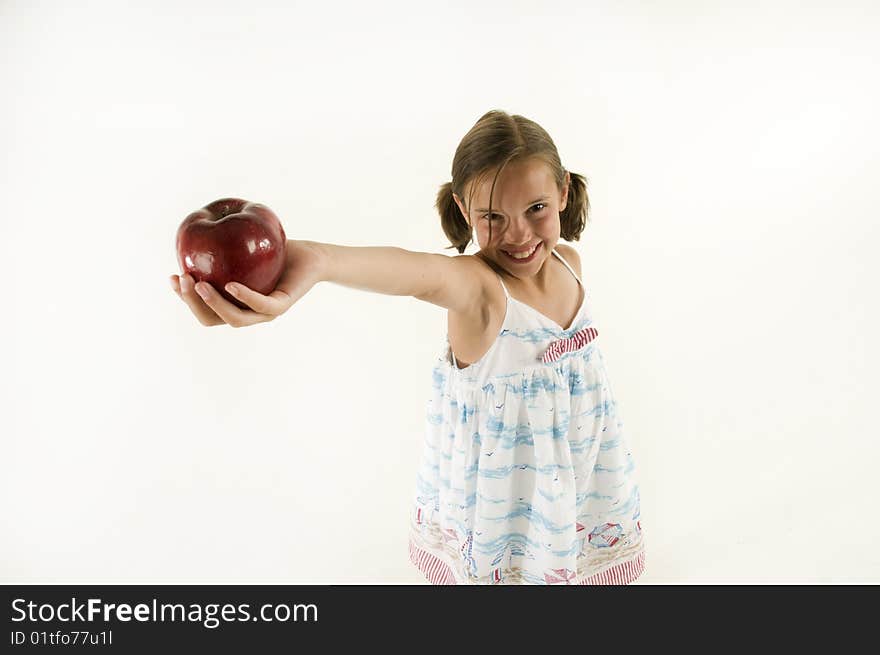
(453, 223)
(574, 217)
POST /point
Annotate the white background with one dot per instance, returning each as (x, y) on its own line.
(732, 157)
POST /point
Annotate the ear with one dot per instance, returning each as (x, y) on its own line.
(461, 208)
(564, 201)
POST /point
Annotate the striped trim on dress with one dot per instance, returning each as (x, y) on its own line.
(575, 342)
(438, 572)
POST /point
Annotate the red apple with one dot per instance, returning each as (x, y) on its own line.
(232, 240)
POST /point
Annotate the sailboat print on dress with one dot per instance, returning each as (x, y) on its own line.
(605, 535)
(467, 552)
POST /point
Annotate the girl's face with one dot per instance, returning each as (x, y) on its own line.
(525, 215)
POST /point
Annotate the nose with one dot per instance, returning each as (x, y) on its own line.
(518, 231)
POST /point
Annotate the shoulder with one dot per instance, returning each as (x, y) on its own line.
(571, 256)
(481, 269)
(456, 283)
(489, 299)
(474, 267)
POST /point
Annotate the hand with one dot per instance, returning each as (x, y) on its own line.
(302, 270)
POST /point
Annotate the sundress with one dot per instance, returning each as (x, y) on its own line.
(526, 476)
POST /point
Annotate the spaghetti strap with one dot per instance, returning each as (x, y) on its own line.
(502, 286)
(562, 259)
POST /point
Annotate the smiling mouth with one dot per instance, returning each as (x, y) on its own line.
(522, 254)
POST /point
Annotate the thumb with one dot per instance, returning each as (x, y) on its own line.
(288, 292)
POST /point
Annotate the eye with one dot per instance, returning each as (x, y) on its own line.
(534, 209)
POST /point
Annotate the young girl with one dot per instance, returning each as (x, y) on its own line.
(526, 476)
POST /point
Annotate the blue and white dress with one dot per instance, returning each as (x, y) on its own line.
(526, 476)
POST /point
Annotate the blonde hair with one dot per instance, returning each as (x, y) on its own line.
(495, 140)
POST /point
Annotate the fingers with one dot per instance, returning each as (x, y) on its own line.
(226, 310)
(211, 308)
(272, 305)
(184, 288)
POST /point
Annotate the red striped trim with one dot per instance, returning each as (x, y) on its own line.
(619, 574)
(438, 572)
(574, 342)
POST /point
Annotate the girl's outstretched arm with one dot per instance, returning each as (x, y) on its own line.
(456, 283)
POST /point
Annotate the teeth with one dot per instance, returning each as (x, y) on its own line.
(524, 255)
